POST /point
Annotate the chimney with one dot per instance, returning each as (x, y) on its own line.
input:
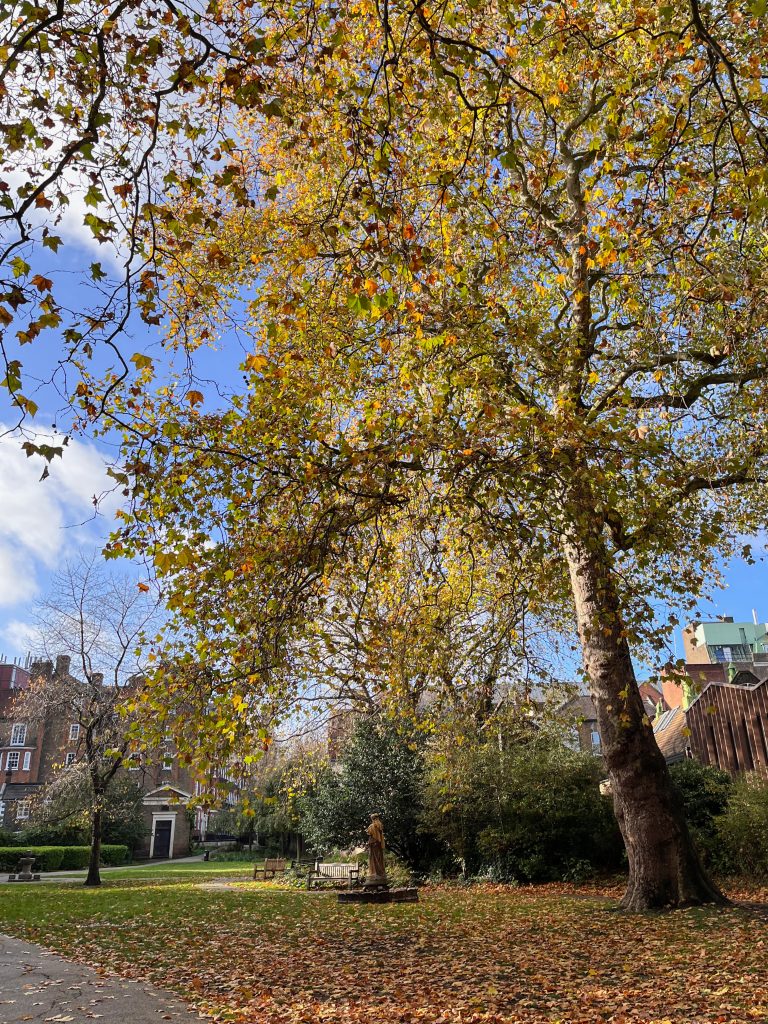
(97, 678)
(41, 668)
(62, 664)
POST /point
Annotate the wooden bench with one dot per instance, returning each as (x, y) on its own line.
(336, 873)
(271, 867)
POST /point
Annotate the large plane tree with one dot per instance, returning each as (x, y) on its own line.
(508, 254)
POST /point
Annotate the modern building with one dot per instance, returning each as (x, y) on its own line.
(724, 642)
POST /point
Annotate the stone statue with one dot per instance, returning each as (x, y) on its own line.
(377, 873)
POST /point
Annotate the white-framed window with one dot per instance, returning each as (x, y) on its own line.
(27, 763)
(12, 761)
(2, 810)
(74, 731)
(69, 758)
(595, 738)
(22, 810)
(19, 735)
(167, 762)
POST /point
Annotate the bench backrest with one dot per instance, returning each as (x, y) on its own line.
(337, 870)
(274, 864)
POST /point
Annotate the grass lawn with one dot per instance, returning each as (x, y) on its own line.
(257, 952)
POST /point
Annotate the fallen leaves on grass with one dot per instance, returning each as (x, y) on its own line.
(489, 955)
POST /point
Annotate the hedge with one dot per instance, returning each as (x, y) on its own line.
(61, 858)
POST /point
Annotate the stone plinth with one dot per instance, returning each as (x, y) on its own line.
(380, 896)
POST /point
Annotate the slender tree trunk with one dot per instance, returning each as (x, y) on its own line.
(664, 868)
(94, 878)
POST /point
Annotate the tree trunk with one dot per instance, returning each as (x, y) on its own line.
(94, 878)
(664, 868)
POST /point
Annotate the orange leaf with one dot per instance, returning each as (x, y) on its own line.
(43, 284)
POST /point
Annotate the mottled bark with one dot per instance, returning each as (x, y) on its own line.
(664, 868)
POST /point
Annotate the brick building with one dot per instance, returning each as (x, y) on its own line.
(581, 712)
(31, 753)
(25, 750)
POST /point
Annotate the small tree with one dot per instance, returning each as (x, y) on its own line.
(381, 768)
(63, 810)
(97, 621)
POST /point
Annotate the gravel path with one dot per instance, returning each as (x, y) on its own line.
(39, 986)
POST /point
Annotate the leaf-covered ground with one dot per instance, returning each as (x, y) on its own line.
(254, 952)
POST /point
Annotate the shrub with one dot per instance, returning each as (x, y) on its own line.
(526, 810)
(6, 837)
(114, 854)
(47, 858)
(742, 832)
(45, 834)
(74, 857)
(237, 856)
(704, 791)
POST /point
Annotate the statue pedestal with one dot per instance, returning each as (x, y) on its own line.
(380, 896)
(375, 882)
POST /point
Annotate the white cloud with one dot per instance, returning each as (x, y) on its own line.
(43, 523)
(70, 225)
(19, 635)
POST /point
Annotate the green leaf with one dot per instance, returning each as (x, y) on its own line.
(20, 267)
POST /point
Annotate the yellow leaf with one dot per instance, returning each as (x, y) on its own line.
(257, 363)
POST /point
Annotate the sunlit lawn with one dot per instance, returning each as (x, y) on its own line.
(255, 952)
(193, 869)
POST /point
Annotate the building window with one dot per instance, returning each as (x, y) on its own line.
(19, 735)
(2, 811)
(22, 810)
(27, 760)
(12, 761)
(713, 746)
(733, 652)
(69, 758)
(167, 763)
(595, 738)
(74, 731)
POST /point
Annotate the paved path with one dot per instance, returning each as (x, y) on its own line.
(39, 986)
